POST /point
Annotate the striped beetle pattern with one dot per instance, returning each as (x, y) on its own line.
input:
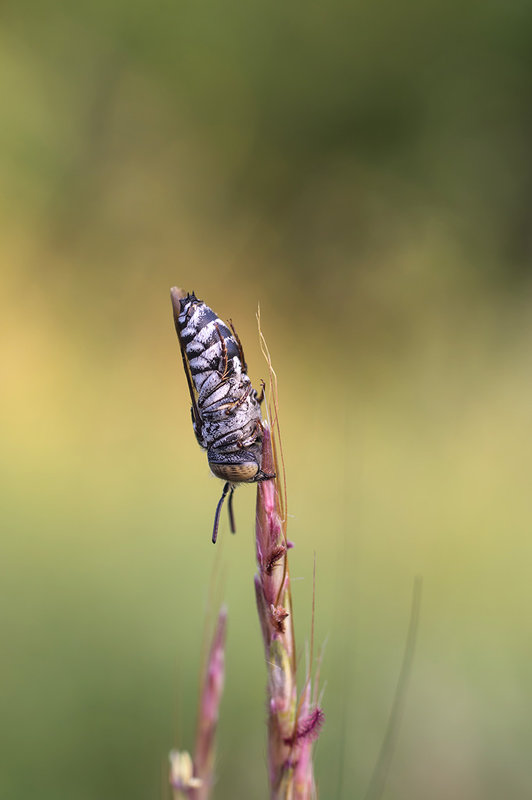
(225, 407)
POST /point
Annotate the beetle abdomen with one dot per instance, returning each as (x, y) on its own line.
(228, 411)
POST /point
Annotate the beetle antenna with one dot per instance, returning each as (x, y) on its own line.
(230, 509)
(218, 509)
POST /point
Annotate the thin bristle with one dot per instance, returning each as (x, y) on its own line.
(273, 419)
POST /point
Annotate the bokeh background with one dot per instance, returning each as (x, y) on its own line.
(364, 172)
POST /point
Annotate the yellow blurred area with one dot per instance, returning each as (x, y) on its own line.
(365, 177)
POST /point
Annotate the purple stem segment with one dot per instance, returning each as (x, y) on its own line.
(190, 779)
(211, 695)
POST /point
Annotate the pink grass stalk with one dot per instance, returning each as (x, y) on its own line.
(194, 779)
(293, 724)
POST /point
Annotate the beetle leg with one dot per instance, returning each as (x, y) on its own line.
(240, 348)
(264, 476)
(225, 371)
(218, 509)
(252, 438)
(230, 509)
(240, 400)
(260, 397)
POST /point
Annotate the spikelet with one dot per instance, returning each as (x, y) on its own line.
(293, 724)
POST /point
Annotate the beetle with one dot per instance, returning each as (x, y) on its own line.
(225, 410)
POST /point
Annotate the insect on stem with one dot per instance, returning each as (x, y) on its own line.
(226, 411)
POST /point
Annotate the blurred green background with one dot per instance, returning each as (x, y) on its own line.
(364, 172)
